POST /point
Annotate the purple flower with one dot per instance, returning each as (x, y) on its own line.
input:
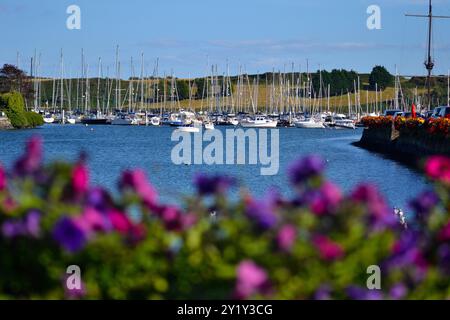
(2, 178)
(305, 168)
(406, 253)
(31, 161)
(358, 293)
(137, 181)
(29, 226)
(210, 185)
(75, 293)
(99, 199)
(424, 203)
(398, 291)
(69, 235)
(444, 257)
(323, 293)
(32, 223)
(263, 211)
(11, 229)
(251, 280)
(379, 213)
(286, 237)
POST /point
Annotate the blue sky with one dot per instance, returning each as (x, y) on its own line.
(260, 35)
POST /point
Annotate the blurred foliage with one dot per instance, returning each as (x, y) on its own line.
(316, 245)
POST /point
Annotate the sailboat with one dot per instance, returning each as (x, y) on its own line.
(309, 123)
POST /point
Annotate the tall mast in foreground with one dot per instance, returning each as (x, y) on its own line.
(429, 63)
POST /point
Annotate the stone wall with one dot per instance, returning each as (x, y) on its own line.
(408, 147)
(5, 123)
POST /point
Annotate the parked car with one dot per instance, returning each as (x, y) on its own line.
(445, 112)
(441, 112)
(393, 113)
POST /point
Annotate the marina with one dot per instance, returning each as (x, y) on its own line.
(112, 149)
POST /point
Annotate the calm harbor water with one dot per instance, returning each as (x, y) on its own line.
(112, 149)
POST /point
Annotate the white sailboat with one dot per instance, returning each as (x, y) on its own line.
(310, 123)
(48, 118)
(191, 128)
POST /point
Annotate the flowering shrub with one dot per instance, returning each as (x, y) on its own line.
(408, 124)
(317, 244)
(439, 127)
(377, 122)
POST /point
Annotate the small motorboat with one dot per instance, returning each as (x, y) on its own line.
(259, 122)
(209, 125)
(193, 127)
(155, 121)
(48, 118)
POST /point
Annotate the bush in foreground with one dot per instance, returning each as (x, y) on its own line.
(14, 106)
(315, 245)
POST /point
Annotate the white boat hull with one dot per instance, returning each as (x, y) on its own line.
(122, 122)
(155, 121)
(188, 129)
(345, 125)
(209, 126)
(310, 125)
(262, 124)
(49, 120)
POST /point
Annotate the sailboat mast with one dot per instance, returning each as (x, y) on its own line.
(429, 64)
(142, 81)
(62, 81)
(448, 89)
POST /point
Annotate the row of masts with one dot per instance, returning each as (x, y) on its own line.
(292, 92)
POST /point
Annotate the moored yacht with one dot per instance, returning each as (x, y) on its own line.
(259, 122)
(310, 123)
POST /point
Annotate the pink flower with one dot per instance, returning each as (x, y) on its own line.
(438, 168)
(137, 181)
(444, 234)
(80, 179)
(91, 221)
(138, 233)
(328, 249)
(31, 160)
(251, 279)
(369, 195)
(2, 178)
(326, 199)
(286, 237)
(119, 221)
(174, 219)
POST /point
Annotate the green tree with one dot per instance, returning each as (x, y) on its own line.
(14, 79)
(380, 77)
(200, 84)
(13, 105)
(183, 89)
